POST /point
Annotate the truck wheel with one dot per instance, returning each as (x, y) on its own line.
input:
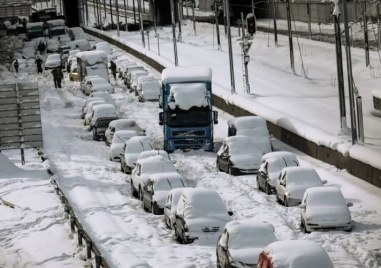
(95, 136)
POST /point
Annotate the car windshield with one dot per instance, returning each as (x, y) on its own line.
(167, 185)
(250, 238)
(325, 199)
(157, 167)
(241, 147)
(195, 116)
(304, 177)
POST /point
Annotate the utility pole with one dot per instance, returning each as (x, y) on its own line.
(309, 18)
(174, 31)
(366, 40)
(125, 14)
(217, 26)
(232, 81)
(141, 22)
(349, 74)
(179, 15)
(112, 20)
(339, 65)
(275, 27)
(290, 36)
(117, 17)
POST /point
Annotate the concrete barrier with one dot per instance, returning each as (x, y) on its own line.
(353, 166)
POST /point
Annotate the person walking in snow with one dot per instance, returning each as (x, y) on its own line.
(57, 77)
(39, 65)
(113, 69)
(16, 65)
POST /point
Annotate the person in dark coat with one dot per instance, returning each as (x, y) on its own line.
(16, 66)
(39, 65)
(41, 47)
(57, 77)
(113, 69)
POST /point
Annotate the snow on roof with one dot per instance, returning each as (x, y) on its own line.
(165, 176)
(320, 196)
(33, 24)
(246, 122)
(186, 74)
(185, 96)
(122, 123)
(57, 22)
(279, 154)
(201, 197)
(300, 174)
(92, 57)
(298, 254)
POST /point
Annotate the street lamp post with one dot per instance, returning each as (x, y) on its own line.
(174, 32)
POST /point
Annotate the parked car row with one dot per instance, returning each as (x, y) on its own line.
(137, 79)
(197, 213)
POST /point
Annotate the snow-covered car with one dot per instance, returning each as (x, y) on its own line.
(72, 67)
(80, 44)
(104, 46)
(86, 105)
(150, 153)
(103, 110)
(131, 150)
(121, 124)
(89, 111)
(294, 254)
(148, 88)
(127, 73)
(134, 79)
(156, 189)
(293, 182)
(104, 95)
(271, 166)
(245, 122)
(100, 125)
(242, 241)
(53, 61)
(239, 155)
(76, 33)
(96, 83)
(118, 141)
(200, 213)
(325, 208)
(52, 46)
(146, 167)
(171, 206)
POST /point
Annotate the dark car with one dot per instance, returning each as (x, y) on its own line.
(239, 155)
(100, 126)
(156, 189)
(271, 166)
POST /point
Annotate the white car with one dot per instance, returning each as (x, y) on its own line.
(271, 166)
(171, 207)
(131, 150)
(293, 182)
(52, 46)
(242, 241)
(94, 81)
(245, 122)
(239, 155)
(150, 153)
(102, 110)
(121, 124)
(294, 254)
(101, 88)
(148, 88)
(325, 208)
(104, 95)
(89, 111)
(76, 33)
(104, 46)
(200, 213)
(146, 167)
(86, 105)
(118, 141)
(156, 189)
(53, 61)
(134, 79)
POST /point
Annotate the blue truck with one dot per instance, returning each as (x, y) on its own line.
(187, 101)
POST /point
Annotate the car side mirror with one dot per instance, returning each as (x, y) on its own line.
(215, 117)
(230, 213)
(303, 206)
(324, 181)
(350, 204)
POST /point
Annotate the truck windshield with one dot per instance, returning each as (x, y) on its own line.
(56, 31)
(194, 117)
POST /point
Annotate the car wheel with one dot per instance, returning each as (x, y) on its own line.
(133, 192)
(183, 237)
(230, 171)
(144, 207)
(277, 198)
(285, 202)
(267, 189)
(303, 227)
(95, 136)
(140, 194)
(154, 209)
